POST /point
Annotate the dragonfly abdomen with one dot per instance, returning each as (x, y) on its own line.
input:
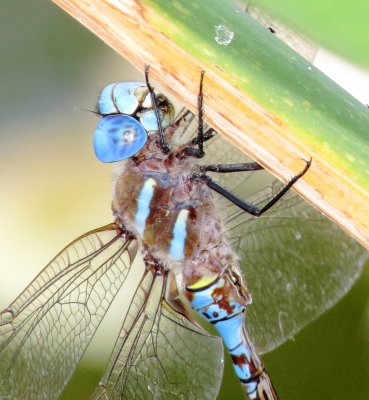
(219, 303)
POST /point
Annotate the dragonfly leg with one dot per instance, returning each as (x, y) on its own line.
(224, 168)
(163, 144)
(199, 140)
(181, 119)
(244, 205)
(208, 134)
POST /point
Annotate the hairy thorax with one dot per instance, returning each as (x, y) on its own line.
(174, 217)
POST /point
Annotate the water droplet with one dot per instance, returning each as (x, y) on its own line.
(298, 235)
(223, 35)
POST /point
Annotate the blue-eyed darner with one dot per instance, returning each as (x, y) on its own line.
(163, 203)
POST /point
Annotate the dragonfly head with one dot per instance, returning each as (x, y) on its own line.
(128, 117)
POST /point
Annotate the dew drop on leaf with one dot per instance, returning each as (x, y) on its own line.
(223, 35)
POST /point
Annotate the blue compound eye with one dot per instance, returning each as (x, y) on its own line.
(118, 137)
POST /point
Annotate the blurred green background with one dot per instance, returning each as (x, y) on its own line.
(339, 25)
(53, 189)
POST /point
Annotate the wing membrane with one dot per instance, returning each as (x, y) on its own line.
(160, 353)
(297, 264)
(45, 331)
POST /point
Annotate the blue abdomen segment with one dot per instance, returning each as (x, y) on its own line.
(211, 298)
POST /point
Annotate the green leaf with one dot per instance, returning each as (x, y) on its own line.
(259, 93)
(341, 26)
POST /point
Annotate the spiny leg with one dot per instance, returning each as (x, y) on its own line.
(208, 134)
(244, 205)
(199, 152)
(163, 144)
(181, 119)
(225, 168)
(200, 116)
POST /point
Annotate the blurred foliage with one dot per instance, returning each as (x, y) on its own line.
(34, 36)
(341, 26)
(50, 66)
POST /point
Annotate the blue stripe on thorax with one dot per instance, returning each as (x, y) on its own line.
(143, 205)
(177, 244)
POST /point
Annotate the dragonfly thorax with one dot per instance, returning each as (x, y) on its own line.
(173, 216)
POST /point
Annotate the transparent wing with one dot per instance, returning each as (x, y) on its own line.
(159, 353)
(45, 331)
(297, 263)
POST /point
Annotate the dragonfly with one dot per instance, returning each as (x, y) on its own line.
(205, 252)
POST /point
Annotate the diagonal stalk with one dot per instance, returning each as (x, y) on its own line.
(259, 93)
